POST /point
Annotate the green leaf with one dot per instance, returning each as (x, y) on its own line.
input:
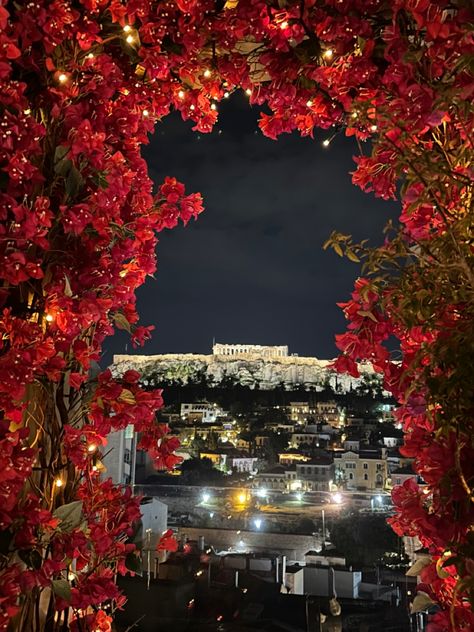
(365, 314)
(62, 165)
(62, 588)
(70, 515)
(74, 182)
(418, 566)
(31, 557)
(133, 563)
(127, 396)
(351, 255)
(67, 286)
(421, 602)
(121, 322)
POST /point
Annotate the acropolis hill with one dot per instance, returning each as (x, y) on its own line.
(254, 366)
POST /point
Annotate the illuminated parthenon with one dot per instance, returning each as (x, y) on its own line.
(259, 350)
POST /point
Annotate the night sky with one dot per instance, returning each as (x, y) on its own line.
(251, 269)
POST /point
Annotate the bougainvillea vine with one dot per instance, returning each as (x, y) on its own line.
(83, 84)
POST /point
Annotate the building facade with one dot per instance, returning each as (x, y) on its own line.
(364, 471)
(259, 350)
(317, 474)
(201, 412)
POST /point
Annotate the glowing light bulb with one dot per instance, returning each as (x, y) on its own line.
(309, 103)
(92, 447)
(27, 112)
(58, 482)
(192, 106)
(213, 106)
(94, 468)
(71, 576)
(373, 128)
(207, 73)
(145, 113)
(62, 78)
(181, 94)
(248, 92)
(354, 115)
(284, 25)
(226, 95)
(129, 39)
(90, 56)
(328, 53)
(326, 142)
(127, 28)
(49, 318)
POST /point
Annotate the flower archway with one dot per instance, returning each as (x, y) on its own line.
(83, 84)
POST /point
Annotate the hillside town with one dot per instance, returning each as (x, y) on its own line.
(294, 493)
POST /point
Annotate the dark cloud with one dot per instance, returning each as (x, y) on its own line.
(252, 268)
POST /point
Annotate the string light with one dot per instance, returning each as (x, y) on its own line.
(207, 73)
(181, 94)
(373, 128)
(248, 92)
(49, 318)
(62, 78)
(192, 106)
(146, 113)
(328, 53)
(27, 112)
(354, 115)
(309, 103)
(71, 576)
(326, 142)
(92, 447)
(213, 106)
(127, 28)
(226, 95)
(284, 25)
(90, 56)
(58, 482)
(129, 39)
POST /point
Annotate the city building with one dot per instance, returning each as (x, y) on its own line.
(121, 459)
(279, 477)
(364, 470)
(328, 412)
(402, 474)
(317, 474)
(257, 350)
(201, 412)
(299, 412)
(291, 456)
(230, 460)
(305, 438)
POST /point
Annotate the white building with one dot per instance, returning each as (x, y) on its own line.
(201, 412)
(259, 350)
(120, 456)
(154, 518)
